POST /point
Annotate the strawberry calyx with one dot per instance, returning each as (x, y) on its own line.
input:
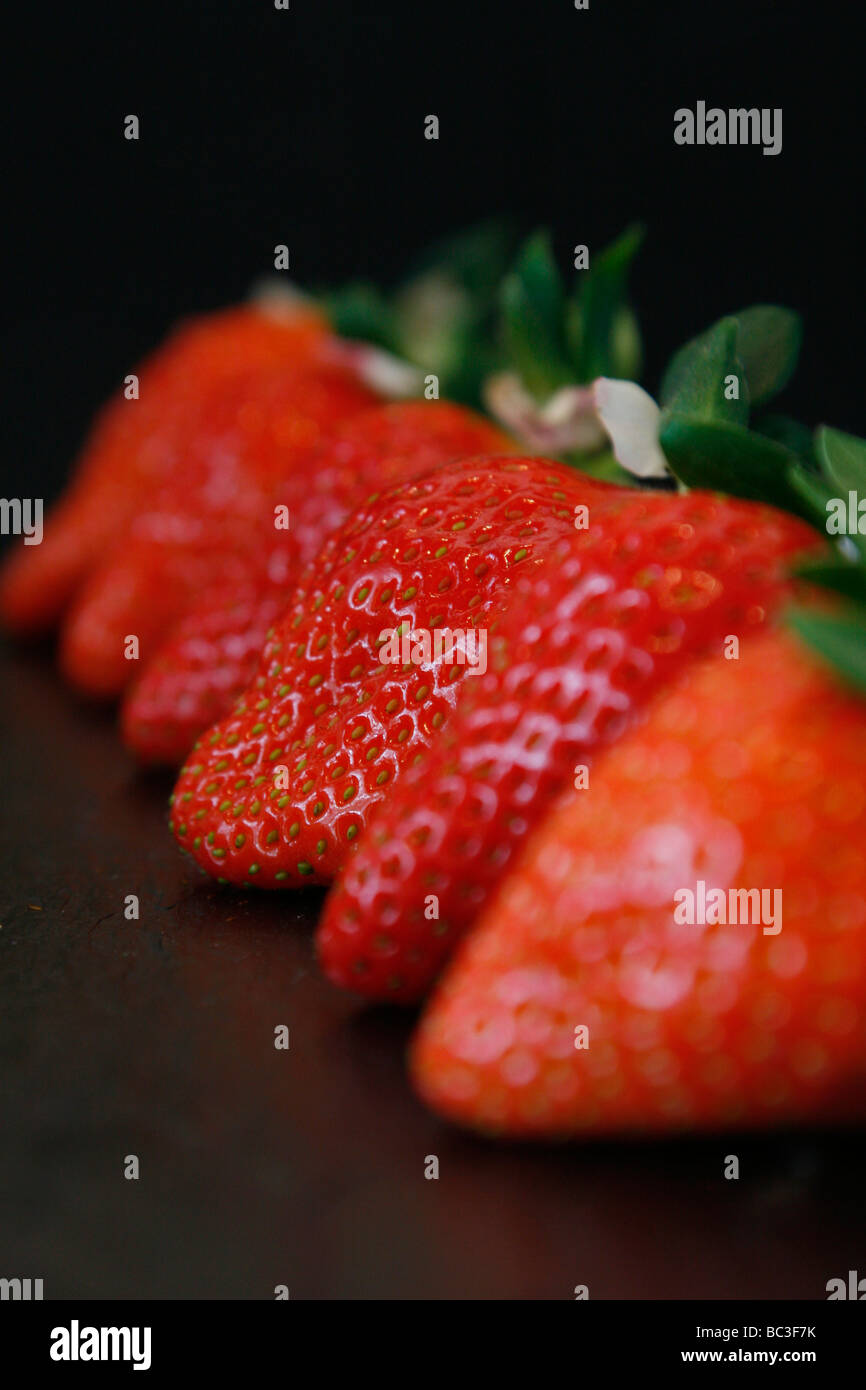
(570, 393)
(557, 344)
(568, 421)
(554, 339)
(572, 386)
(441, 319)
(708, 393)
(837, 493)
(705, 435)
(707, 440)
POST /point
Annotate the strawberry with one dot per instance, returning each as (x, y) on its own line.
(134, 445)
(212, 654)
(585, 1001)
(204, 665)
(443, 551)
(654, 579)
(246, 438)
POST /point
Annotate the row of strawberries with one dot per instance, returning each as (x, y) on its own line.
(549, 809)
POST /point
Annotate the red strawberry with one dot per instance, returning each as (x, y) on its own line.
(749, 775)
(652, 580)
(134, 445)
(248, 436)
(207, 661)
(440, 552)
(211, 656)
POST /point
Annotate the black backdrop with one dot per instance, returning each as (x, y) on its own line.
(261, 126)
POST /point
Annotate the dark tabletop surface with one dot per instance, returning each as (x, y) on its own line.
(303, 1167)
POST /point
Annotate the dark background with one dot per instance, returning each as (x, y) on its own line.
(306, 127)
(156, 1037)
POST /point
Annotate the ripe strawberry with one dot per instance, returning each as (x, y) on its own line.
(207, 661)
(134, 445)
(212, 654)
(654, 579)
(248, 436)
(748, 775)
(443, 551)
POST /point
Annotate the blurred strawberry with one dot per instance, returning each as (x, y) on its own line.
(248, 436)
(592, 998)
(212, 654)
(135, 445)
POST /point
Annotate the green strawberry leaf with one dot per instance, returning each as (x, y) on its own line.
(359, 311)
(476, 258)
(813, 492)
(573, 332)
(553, 340)
(607, 329)
(843, 458)
(833, 572)
(443, 316)
(768, 344)
(725, 457)
(793, 434)
(602, 465)
(470, 359)
(533, 309)
(840, 640)
(626, 347)
(819, 497)
(703, 376)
